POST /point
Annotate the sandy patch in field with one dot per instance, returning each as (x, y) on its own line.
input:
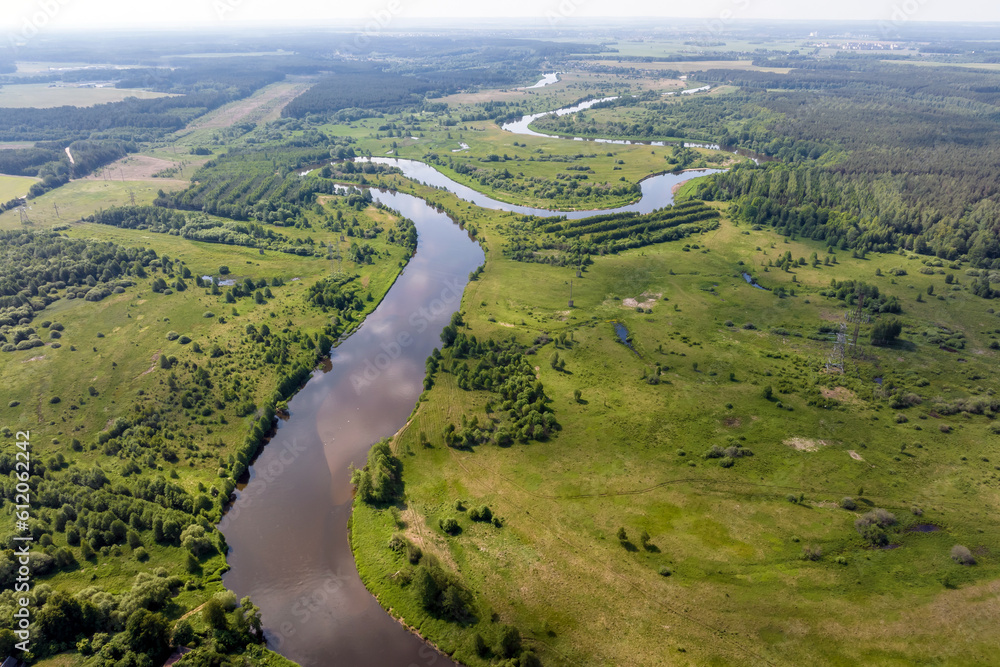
(648, 300)
(33, 359)
(137, 168)
(421, 535)
(842, 394)
(733, 422)
(855, 455)
(156, 357)
(805, 444)
(506, 324)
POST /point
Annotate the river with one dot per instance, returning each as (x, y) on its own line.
(287, 529)
(520, 126)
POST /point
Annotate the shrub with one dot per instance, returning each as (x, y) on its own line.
(100, 335)
(54, 400)
(812, 552)
(173, 335)
(208, 314)
(665, 571)
(13, 404)
(184, 340)
(510, 642)
(962, 555)
(141, 554)
(848, 504)
(450, 526)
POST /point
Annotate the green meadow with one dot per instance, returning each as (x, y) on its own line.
(755, 562)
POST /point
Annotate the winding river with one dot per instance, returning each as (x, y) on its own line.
(287, 529)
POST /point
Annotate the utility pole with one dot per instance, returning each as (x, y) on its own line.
(857, 322)
(56, 207)
(131, 196)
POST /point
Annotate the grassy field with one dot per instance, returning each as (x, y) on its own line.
(43, 96)
(14, 186)
(689, 66)
(630, 455)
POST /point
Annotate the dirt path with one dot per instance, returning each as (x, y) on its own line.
(266, 104)
(70, 156)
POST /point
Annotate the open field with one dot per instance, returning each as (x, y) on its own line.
(14, 186)
(689, 66)
(658, 48)
(81, 198)
(43, 95)
(145, 168)
(931, 63)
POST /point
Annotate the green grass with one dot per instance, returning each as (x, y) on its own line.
(14, 186)
(739, 589)
(44, 96)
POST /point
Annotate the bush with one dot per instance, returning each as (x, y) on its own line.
(450, 526)
(848, 504)
(208, 314)
(510, 642)
(173, 335)
(184, 340)
(665, 571)
(962, 555)
(812, 553)
(141, 554)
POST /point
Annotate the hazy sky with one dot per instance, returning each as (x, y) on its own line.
(22, 16)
